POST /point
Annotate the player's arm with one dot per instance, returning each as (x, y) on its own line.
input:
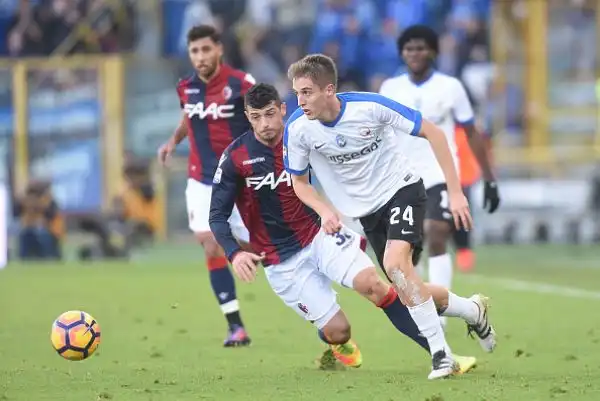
(181, 130)
(296, 161)
(409, 121)
(224, 191)
(463, 113)
(459, 205)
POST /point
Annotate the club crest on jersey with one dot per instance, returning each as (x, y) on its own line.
(227, 92)
(340, 140)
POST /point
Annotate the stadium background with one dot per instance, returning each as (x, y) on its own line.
(107, 91)
(106, 96)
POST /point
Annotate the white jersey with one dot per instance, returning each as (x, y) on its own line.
(356, 158)
(442, 100)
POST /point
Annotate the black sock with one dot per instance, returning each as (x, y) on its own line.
(234, 319)
(462, 239)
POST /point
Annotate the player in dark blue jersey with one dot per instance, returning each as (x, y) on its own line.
(301, 261)
(212, 102)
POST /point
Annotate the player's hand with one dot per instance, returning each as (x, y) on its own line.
(164, 152)
(331, 221)
(459, 207)
(491, 198)
(245, 264)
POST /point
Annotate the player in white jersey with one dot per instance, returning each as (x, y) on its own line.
(442, 100)
(350, 142)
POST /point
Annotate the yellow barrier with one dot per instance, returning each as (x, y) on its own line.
(520, 52)
(110, 72)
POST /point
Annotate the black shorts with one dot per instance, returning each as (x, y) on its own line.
(438, 204)
(401, 218)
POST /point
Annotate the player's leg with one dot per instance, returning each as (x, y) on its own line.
(465, 257)
(474, 311)
(221, 278)
(342, 258)
(364, 279)
(404, 216)
(438, 232)
(302, 287)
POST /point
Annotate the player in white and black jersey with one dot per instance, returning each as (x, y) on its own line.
(441, 99)
(350, 141)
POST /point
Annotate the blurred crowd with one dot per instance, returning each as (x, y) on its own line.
(360, 35)
(262, 37)
(265, 36)
(44, 27)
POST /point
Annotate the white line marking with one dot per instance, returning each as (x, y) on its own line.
(529, 286)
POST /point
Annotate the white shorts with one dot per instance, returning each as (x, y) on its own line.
(304, 281)
(197, 199)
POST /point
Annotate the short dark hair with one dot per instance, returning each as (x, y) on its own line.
(203, 31)
(318, 67)
(421, 32)
(261, 95)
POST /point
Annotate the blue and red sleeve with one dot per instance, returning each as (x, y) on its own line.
(224, 192)
(180, 92)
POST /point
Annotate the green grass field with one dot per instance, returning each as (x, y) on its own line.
(162, 335)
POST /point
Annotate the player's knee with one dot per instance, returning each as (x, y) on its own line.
(398, 255)
(370, 285)
(210, 245)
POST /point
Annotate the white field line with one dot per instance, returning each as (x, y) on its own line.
(533, 287)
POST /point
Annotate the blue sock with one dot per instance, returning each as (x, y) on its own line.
(400, 317)
(223, 286)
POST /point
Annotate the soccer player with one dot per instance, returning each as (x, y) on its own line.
(212, 99)
(443, 101)
(302, 260)
(350, 142)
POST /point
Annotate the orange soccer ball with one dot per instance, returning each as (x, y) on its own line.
(75, 335)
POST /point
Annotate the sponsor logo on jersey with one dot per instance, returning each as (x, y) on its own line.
(191, 91)
(302, 307)
(212, 110)
(252, 161)
(270, 181)
(346, 157)
(366, 132)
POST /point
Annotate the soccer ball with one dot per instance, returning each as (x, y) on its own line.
(75, 335)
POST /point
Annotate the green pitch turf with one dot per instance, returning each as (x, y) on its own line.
(162, 335)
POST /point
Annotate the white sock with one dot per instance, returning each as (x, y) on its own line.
(440, 270)
(428, 322)
(462, 307)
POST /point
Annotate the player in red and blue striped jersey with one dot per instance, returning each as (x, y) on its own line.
(301, 261)
(212, 102)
